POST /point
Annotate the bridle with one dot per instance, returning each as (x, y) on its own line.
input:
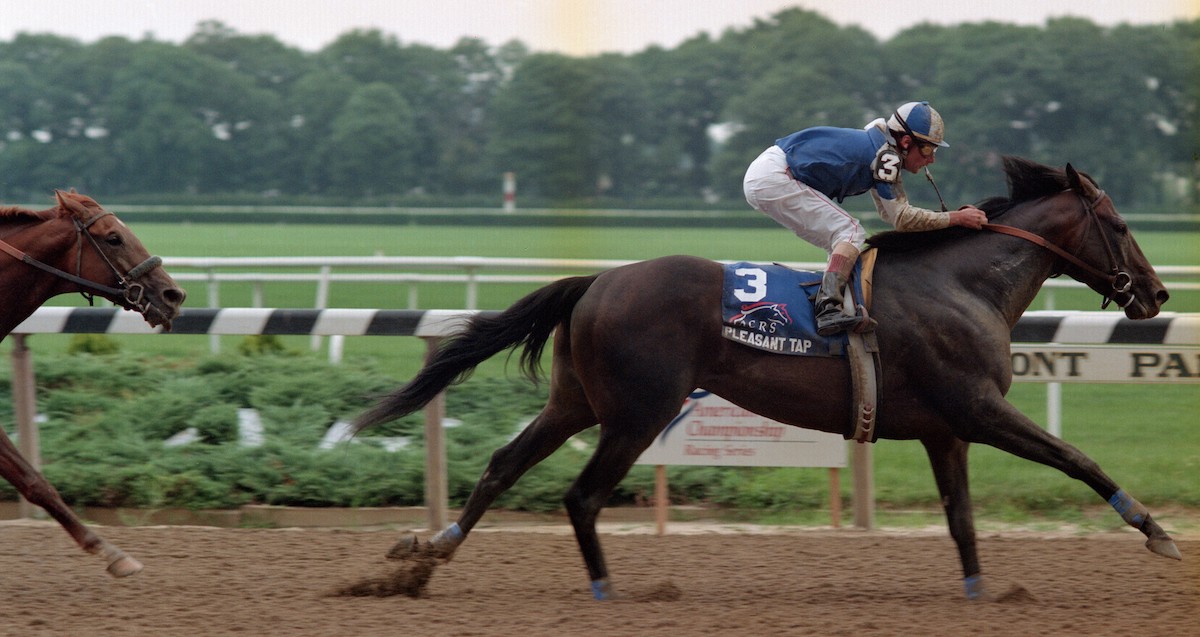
(128, 289)
(1118, 279)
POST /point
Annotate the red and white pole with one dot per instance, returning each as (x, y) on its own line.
(510, 191)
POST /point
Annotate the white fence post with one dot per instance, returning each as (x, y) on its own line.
(1053, 390)
(214, 300)
(25, 409)
(472, 289)
(437, 493)
(322, 301)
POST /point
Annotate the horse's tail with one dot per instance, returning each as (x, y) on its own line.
(529, 322)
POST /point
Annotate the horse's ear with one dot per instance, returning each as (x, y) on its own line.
(1080, 182)
(69, 203)
(1073, 179)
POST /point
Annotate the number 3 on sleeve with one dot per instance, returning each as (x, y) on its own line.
(886, 167)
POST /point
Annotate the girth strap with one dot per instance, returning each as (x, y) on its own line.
(865, 364)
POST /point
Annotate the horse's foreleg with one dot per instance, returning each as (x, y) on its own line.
(948, 456)
(1008, 429)
(37, 490)
(1136, 515)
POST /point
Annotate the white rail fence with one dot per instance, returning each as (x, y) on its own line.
(469, 271)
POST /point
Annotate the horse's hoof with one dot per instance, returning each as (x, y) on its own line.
(404, 548)
(974, 588)
(1164, 546)
(124, 566)
(602, 591)
(445, 542)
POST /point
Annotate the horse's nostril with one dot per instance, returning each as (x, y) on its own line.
(1162, 296)
(174, 296)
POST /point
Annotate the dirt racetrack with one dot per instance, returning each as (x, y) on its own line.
(203, 581)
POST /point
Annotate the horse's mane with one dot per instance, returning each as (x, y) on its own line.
(17, 213)
(1027, 180)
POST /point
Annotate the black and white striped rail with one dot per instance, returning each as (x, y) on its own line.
(1103, 328)
(328, 322)
(1034, 327)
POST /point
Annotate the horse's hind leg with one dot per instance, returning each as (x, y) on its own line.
(565, 415)
(948, 456)
(1003, 427)
(633, 407)
(615, 453)
(37, 490)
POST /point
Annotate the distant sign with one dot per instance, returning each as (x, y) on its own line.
(1105, 364)
(712, 431)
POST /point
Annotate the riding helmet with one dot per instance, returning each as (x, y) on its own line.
(919, 120)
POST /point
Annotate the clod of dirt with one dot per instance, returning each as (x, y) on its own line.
(1016, 594)
(405, 548)
(410, 578)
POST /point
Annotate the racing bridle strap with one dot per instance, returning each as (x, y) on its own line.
(1120, 280)
(132, 293)
(1038, 239)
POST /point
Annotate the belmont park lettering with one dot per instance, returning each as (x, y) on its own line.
(773, 343)
(1143, 364)
(1047, 363)
(1168, 365)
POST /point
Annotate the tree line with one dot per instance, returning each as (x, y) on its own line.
(370, 119)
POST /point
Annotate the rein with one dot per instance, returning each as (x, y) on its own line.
(133, 293)
(1120, 280)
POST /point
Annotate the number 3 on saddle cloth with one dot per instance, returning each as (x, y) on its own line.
(769, 307)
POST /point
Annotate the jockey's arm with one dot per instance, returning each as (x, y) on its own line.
(892, 204)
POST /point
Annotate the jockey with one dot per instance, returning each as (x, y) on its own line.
(801, 180)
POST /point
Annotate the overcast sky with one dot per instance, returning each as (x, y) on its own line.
(577, 27)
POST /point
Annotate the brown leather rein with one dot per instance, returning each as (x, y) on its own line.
(1120, 280)
(133, 293)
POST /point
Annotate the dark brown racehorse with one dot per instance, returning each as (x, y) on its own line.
(946, 302)
(76, 246)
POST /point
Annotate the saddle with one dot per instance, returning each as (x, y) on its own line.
(769, 307)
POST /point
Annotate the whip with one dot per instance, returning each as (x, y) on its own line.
(929, 176)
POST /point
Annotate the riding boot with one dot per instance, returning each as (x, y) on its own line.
(828, 307)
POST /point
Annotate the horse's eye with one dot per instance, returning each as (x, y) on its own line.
(113, 240)
(1121, 228)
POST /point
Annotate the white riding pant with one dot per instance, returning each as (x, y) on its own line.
(769, 188)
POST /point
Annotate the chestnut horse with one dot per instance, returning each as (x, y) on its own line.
(77, 246)
(946, 302)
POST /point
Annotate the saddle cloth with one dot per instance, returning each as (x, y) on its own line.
(769, 307)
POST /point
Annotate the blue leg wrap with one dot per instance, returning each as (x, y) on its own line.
(601, 590)
(973, 586)
(1131, 510)
(449, 537)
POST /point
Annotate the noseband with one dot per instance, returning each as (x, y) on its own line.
(128, 289)
(1118, 279)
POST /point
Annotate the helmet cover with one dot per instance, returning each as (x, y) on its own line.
(919, 120)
